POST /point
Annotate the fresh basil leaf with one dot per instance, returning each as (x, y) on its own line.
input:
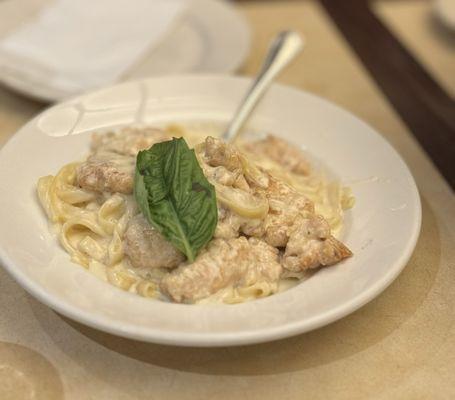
(175, 196)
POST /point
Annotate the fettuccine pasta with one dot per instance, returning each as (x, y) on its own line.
(95, 224)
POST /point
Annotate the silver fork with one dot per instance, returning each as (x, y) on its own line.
(283, 50)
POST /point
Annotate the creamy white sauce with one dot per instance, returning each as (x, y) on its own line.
(90, 245)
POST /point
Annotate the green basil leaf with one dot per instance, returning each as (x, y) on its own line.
(175, 196)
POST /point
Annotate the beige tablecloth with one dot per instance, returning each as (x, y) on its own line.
(401, 345)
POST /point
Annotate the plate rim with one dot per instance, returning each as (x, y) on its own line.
(210, 339)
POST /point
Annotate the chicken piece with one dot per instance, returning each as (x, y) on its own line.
(128, 141)
(110, 168)
(291, 223)
(107, 172)
(239, 262)
(218, 153)
(311, 245)
(282, 152)
(226, 165)
(286, 205)
(147, 248)
(230, 225)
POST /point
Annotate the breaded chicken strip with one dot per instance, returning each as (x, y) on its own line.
(107, 172)
(282, 152)
(110, 167)
(238, 262)
(311, 245)
(286, 205)
(128, 141)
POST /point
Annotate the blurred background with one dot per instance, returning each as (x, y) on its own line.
(54, 49)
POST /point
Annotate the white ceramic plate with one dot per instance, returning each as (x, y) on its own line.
(211, 36)
(381, 229)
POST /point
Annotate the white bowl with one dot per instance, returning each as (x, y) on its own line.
(381, 229)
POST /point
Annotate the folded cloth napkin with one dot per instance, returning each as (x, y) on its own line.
(81, 44)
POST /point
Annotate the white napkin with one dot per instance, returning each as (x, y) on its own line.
(81, 44)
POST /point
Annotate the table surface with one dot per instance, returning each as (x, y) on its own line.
(433, 44)
(400, 345)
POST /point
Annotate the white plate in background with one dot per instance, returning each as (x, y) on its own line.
(210, 37)
(381, 229)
